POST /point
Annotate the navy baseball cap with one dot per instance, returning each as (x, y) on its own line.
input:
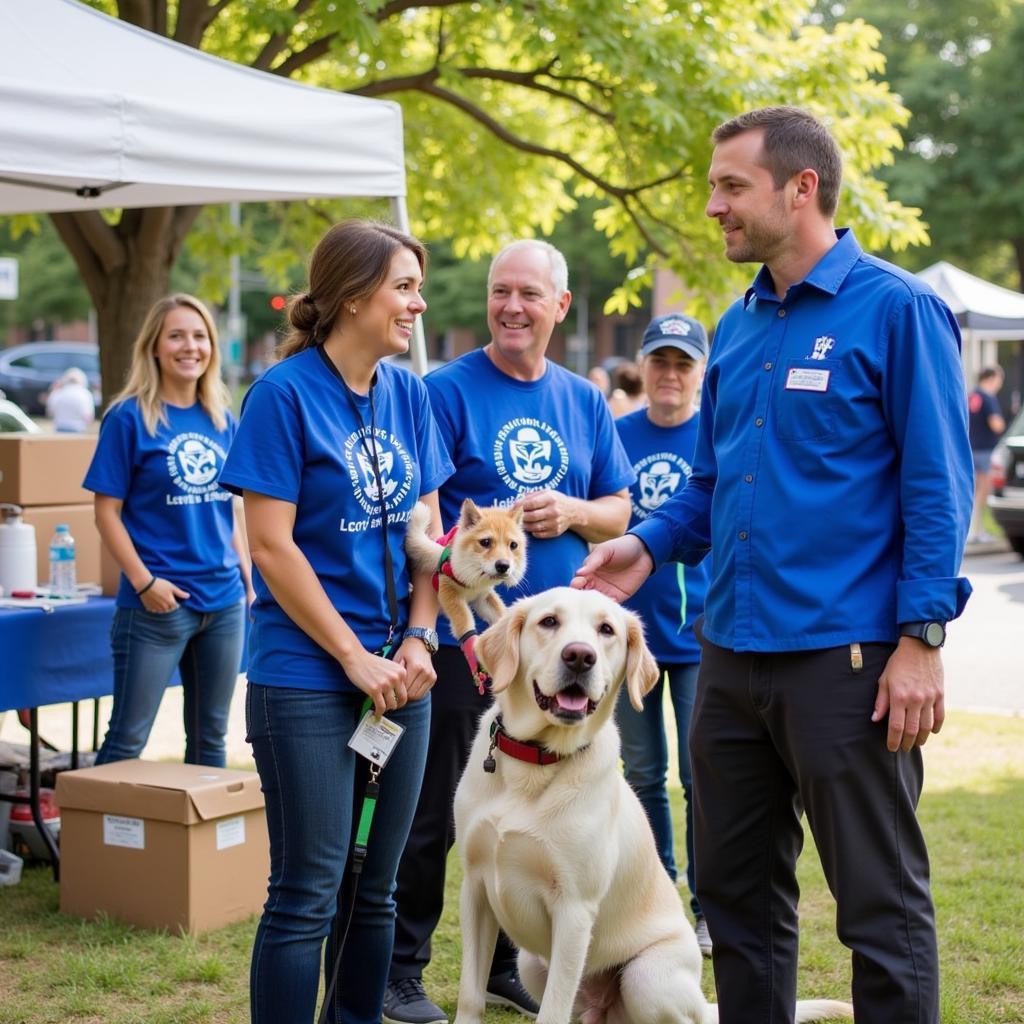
(676, 330)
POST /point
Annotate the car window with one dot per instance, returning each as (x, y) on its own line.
(1016, 427)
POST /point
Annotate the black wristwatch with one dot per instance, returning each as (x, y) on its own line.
(427, 635)
(931, 633)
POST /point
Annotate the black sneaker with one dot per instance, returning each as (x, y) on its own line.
(406, 1002)
(507, 990)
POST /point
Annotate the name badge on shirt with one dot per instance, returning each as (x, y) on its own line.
(376, 738)
(802, 379)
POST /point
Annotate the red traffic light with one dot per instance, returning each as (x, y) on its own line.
(278, 302)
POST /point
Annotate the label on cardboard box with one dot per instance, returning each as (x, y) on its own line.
(121, 831)
(230, 832)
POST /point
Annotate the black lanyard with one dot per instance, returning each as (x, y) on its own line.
(371, 451)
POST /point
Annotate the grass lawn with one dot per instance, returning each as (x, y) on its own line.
(56, 968)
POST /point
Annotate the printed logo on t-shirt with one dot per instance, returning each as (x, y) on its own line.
(393, 463)
(193, 462)
(530, 454)
(658, 477)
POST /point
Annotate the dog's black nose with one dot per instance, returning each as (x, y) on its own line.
(502, 567)
(579, 657)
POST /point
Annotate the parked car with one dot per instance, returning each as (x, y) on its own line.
(1007, 498)
(14, 420)
(27, 371)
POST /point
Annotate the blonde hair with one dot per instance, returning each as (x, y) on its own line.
(144, 375)
(348, 265)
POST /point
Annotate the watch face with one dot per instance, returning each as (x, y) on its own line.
(934, 634)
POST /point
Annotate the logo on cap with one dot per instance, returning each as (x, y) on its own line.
(680, 327)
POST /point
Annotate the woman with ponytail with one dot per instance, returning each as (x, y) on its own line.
(172, 530)
(334, 449)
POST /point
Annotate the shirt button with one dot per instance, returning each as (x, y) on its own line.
(767, 366)
(759, 422)
(743, 534)
(749, 478)
(782, 312)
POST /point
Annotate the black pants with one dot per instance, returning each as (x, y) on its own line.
(774, 732)
(456, 707)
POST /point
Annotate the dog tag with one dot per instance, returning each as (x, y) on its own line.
(490, 765)
(376, 738)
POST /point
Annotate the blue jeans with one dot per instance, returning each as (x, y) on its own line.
(147, 648)
(313, 784)
(645, 757)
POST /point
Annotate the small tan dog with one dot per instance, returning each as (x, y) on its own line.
(555, 847)
(485, 548)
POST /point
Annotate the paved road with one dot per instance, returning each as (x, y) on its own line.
(984, 655)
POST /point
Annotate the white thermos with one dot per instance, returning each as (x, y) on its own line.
(17, 551)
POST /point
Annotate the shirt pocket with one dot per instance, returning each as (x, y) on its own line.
(802, 412)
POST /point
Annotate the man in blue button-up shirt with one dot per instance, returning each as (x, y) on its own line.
(832, 482)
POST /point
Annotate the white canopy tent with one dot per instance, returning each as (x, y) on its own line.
(987, 313)
(96, 113)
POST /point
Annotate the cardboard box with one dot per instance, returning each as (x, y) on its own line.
(176, 846)
(82, 524)
(45, 469)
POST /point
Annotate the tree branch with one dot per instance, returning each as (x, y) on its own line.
(528, 80)
(194, 18)
(181, 224)
(279, 40)
(85, 258)
(148, 14)
(404, 83)
(102, 239)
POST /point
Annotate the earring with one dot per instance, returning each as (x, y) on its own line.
(352, 310)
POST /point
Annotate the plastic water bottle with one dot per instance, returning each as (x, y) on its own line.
(63, 579)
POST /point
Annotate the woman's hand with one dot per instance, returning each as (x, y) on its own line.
(163, 596)
(419, 669)
(381, 680)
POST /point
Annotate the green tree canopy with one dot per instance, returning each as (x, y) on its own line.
(516, 110)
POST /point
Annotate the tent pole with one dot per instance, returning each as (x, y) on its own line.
(418, 348)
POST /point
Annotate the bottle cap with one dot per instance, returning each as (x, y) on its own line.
(62, 528)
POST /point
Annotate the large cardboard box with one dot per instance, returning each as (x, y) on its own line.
(45, 469)
(176, 846)
(82, 524)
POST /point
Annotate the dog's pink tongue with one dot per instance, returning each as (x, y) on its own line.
(571, 701)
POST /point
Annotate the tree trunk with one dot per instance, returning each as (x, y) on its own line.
(126, 268)
(1018, 249)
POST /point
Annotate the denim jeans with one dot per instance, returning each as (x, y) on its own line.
(313, 784)
(645, 757)
(147, 648)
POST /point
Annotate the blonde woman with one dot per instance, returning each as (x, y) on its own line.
(171, 529)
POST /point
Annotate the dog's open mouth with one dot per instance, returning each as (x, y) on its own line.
(570, 703)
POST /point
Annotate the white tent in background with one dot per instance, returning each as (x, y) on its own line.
(986, 312)
(96, 113)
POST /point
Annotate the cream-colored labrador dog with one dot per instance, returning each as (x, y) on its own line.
(555, 847)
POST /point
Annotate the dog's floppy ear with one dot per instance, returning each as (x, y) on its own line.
(641, 668)
(498, 648)
(469, 514)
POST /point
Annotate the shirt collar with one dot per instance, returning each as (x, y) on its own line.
(827, 275)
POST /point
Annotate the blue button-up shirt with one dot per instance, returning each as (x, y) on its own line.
(832, 477)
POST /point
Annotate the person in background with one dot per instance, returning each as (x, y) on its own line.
(660, 441)
(986, 425)
(598, 376)
(522, 431)
(832, 481)
(627, 394)
(70, 403)
(172, 530)
(334, 449)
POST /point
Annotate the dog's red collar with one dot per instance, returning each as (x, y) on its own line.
(444, 563)
(521, 750)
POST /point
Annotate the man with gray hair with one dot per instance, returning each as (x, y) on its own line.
(521, 431)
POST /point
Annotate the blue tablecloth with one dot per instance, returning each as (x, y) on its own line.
(57, 657)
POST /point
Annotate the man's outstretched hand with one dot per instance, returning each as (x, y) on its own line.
(615, 568)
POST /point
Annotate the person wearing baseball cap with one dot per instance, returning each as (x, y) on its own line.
(660, 440)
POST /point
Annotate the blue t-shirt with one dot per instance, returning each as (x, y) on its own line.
(178, 518)
(980, 406)
(508, 437)
(300, 440)
(670, 601)
(832, 473)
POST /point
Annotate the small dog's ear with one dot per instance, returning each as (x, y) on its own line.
(517, 514)
(641, 668)
(498, 648)
(469, 515)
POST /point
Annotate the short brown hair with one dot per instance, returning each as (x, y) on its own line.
(348, 264)
(793, 141)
